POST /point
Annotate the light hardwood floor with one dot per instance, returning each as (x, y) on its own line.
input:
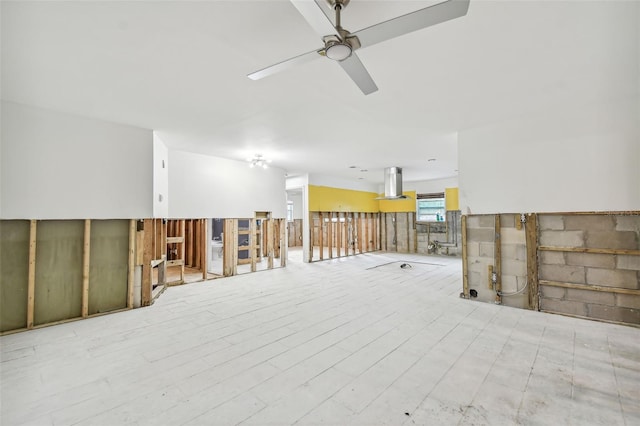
(355, 340)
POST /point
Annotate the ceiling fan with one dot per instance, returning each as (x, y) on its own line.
(340, 45)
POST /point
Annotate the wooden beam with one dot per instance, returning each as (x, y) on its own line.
(182, 226)
(31, 283)
(591, 250)
(86, 258)
(230, 244)
(617, 290)
(204, 248)
(253, 246)
(321, 236)
(531, 235)
(270, 243)
(330, 235)
(131, 263)
(465, 261)
(498, 258)
(147, 257)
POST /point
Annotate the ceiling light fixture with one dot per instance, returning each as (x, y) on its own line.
(258, 161)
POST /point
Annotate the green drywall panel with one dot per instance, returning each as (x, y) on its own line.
(14, 273)
(58, 292)
(109, 261)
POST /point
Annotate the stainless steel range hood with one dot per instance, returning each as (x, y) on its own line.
(393, 184)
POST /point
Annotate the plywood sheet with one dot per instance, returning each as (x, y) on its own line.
(108, 265)
(14, 270)
(58, 288)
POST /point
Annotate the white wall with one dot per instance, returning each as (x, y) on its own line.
(61, 166)
(202, 186)
(582, 159)
(336, 182)
(160, 178)
(429, 186)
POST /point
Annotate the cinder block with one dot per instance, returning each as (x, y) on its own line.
(612, 239)
(487, 250)
(512, 236)
(473, 222)
(552, 222)
(508, 251)
(599, 297)
(615, 313)
(521, 252)
(552, 292)
(475, 279)
(589, 222)
(562, 238)
(514, 267)
(628, 301)
(607, 261)
(508, 220)
(473, 249)
(478, 264)
(570, 307)
(509, 283)
(480, 234)
(487, 221)
(562, 273)
(625, 261)
(552, 258)
(628, 223)
(613, 278)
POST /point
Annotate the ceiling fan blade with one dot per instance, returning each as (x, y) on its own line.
(314, 15)
(281, 66)
(359, 74)
(413, 21)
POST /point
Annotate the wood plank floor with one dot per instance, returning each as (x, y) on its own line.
(354, 340)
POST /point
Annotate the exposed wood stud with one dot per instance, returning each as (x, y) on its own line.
(321, 236)
(131, 263)
(253, 243)
(597, 288)
(531, 236)
(205, 248)
(86, 258)
(270, 241)
(147, 256)
(31, 283)
(465, 266)
(498, 259)
(590, 250)
(330, 235)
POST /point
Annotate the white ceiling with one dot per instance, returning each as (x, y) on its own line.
(179, 67)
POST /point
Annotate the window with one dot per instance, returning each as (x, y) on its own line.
(431, 207)
(290, 211)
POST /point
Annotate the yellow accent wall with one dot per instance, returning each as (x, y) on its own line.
(406, 205)
(451, 199)
(324, 198)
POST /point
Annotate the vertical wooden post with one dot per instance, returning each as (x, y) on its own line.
(321, 236)
(498, 259)
(182, 225)
(465, 270)
(31, 283)
(205, 248)
(147, 256)
(330, 235)
(270, 242)
(253, 243)
(131, 263)
(86, 256)
(230, 250)
(311, 242)
(531, 230)
(408, 234)
(395, 230)
(366, 232)
(338, 236)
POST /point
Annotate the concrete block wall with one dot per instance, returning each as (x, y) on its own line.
(618, 268)
(398, 232)
(481, 253)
